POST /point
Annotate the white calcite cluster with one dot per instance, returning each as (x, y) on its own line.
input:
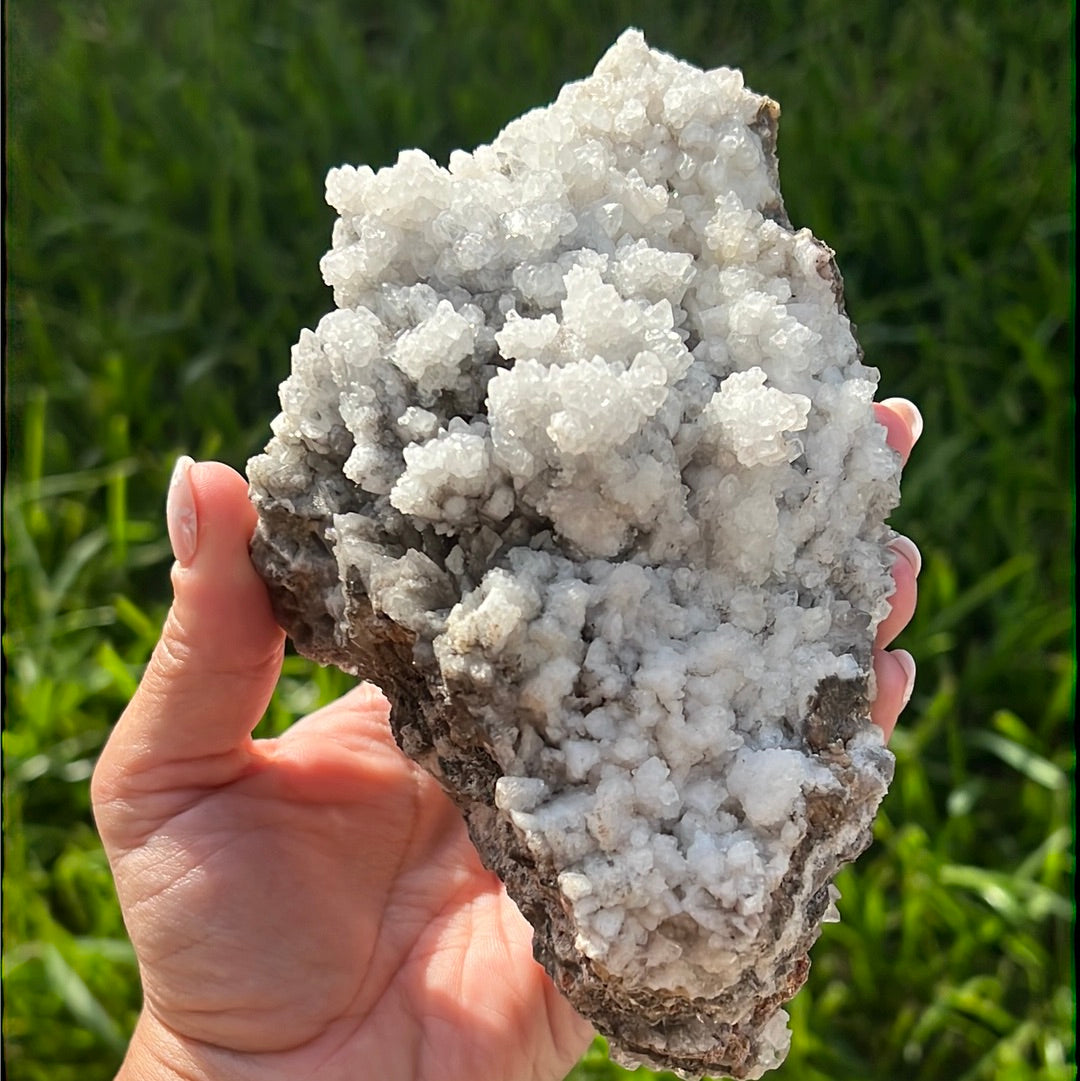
(584, 469)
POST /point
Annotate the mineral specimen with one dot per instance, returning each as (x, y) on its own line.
(584, 472)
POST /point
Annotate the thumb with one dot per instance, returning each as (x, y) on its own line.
(213, 671)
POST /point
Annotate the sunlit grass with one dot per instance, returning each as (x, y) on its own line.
(165, 219)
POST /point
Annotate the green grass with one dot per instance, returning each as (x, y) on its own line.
(165, 218)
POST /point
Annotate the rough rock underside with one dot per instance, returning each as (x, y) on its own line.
(583, 472)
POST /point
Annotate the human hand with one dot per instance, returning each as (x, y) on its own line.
(310, 906)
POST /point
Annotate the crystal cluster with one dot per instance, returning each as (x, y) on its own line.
(583, 471)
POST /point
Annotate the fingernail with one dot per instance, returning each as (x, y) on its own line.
(910, 412)
(180, 514)
(907, 662)
(906, 547)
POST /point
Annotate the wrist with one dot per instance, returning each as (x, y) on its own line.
(158, 1054)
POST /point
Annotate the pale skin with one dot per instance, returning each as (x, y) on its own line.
(310, 906)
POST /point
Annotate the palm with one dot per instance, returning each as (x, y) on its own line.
(371, 934)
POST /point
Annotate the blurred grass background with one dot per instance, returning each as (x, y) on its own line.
(164, 221)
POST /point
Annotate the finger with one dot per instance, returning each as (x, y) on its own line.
(895, 675)
(213, 671)
(903, 422)
(906, 567)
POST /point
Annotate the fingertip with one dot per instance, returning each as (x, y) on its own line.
(909, 411)
(897, 434)
(903, 424)
(905, 594)
(907, 549)
(221, 495)
(895, 675)
(218, 521)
